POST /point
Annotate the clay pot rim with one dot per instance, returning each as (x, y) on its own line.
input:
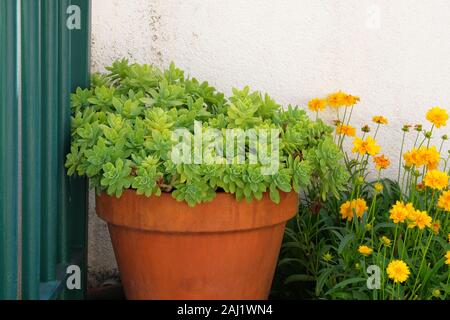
(166, 214)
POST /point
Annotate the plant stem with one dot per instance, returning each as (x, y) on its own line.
(395, 240)
(401, 155)
(421, 263)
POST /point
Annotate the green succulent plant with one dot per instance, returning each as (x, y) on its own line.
(123, 138)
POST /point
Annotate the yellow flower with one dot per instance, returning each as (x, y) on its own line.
(350, 100)
(317, 105)
(346, 211)
(358, 206)
(429, 157)
(346, 130)
(447, 256)
(400, 212)
(386, 241)
(368, 146)
(444, 201)
(381, 162)
(378, 187)
(419, 219)
(436, 179)
(398, 271)
(337, 99)
(412, 158)
(380, 120)
(438, 117)
(365, 250)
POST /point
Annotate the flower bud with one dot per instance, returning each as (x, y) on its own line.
(436, 293)
(416, 173)
(327, 257)
(365, 129)
(337, 123)
(406, 127)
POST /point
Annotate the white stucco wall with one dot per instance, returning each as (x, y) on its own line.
(392, 53)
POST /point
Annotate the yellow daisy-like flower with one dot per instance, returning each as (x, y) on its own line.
(381, 162)
(438, 117)
(419, 219)
(346, 210)
(444, 201)
(386, 241)
(357, 206)
(428, 157)
(368, 146)
(435, 179)
(337, 99)
(365, 250)
(317, 105)
(398, 271)
(350, 100)
(378, 187)
(346, 130)
(412, 158)
(400, 212)
(380, 120)
(447, 256)
(360, 206)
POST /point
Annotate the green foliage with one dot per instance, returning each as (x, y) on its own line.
(122, 138)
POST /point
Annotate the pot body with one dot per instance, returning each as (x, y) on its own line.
(222, 250)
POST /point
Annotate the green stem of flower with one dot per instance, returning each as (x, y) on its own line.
(382, 274)
(448, 283)
(376, 131)
(421, 263)
(395, 241)
(401, 156)
(416, 244)
(351, 113)
(431, 135)
(432, 201)
(417, 139)
(442, 146)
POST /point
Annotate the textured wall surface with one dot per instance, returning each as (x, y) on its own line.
(394, 54)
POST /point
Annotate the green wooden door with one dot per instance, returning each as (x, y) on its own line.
(44, 57)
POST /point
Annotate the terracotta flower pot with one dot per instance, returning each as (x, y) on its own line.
(223, 250)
